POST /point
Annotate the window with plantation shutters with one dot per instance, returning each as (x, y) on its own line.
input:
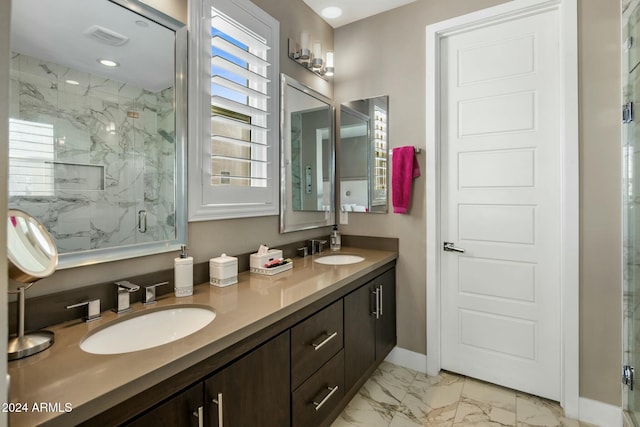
(233, 155)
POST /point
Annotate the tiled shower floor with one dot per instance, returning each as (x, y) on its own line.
(399, 397)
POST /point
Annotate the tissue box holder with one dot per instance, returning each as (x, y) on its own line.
(223, 271)
(257, 262)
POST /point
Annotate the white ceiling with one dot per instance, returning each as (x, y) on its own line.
(56, 34)
(354, 10)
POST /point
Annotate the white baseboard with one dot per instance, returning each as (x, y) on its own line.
(600, 414)
(408, 359)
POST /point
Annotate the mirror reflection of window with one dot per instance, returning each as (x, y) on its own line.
(31, 152)
(364, 169)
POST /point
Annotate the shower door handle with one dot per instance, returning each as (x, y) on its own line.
(142, 221)
(448, 247)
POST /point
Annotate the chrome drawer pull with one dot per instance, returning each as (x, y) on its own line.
(218, 402)
(318, 345)
(332, 391)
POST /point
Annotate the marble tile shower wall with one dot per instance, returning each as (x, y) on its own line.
(113, 155)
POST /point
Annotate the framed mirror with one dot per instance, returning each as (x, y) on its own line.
(97, 126)
(307, 158)
(364, 164)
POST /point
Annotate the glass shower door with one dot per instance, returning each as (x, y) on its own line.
(631, 232)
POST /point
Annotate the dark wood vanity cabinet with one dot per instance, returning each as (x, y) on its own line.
(254, 390)
(182, 410)
(369, 326)
(302, 377)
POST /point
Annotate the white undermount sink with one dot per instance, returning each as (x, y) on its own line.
(339, 259)
(148, 330)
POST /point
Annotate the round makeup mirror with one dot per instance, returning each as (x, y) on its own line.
(32, 255)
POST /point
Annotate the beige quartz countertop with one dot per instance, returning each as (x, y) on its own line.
(64, 377)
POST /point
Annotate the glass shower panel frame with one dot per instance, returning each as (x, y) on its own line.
(631, 200)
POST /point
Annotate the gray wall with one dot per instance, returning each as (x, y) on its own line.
(384, 55)
(600, 200)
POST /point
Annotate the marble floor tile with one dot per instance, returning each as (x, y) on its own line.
(399, 397)
(431, 401)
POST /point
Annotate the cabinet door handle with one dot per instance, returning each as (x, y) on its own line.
(318, 345)
(324, 400)
(218, 402)
(377, 312)
(200, 415)
(380, 298)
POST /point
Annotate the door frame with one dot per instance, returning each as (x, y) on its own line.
(569, 280)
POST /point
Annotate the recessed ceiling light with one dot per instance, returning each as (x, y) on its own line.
(142, 24)
(72, 82)
(331, 12)
(108, 62)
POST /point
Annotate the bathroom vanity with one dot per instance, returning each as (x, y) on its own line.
(285, 350)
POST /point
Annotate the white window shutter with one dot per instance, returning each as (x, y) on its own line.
(234, 105)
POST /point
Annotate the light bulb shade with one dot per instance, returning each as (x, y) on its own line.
(304, 41)
(329, 59)
(317, 50)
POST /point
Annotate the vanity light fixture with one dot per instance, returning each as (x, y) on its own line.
(108, 62)
(311, 59)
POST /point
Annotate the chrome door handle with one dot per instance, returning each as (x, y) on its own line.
(199, 414)
(377, 295)
(449, 247)
(142, 221)
(218, 402)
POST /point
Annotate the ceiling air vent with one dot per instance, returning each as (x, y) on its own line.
(106, 36)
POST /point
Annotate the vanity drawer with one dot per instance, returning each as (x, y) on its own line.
(315, 341)
(317, 397)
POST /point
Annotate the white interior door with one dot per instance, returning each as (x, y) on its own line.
(500, 201)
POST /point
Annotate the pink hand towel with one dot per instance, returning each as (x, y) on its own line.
(404, 168)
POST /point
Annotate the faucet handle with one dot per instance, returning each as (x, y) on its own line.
(149, 296)
(125, 285)
(93, 309)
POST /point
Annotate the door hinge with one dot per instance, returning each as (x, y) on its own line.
(627, 112)
(627, 376)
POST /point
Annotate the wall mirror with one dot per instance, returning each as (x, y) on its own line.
(307, 158)
(364, 165)
(97, 126)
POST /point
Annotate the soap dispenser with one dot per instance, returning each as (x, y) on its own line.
(183, 274)
(335, 240)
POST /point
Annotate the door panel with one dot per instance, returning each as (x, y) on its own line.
(500, 188)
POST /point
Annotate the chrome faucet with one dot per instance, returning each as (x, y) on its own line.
(123, 289)
(317, 245)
